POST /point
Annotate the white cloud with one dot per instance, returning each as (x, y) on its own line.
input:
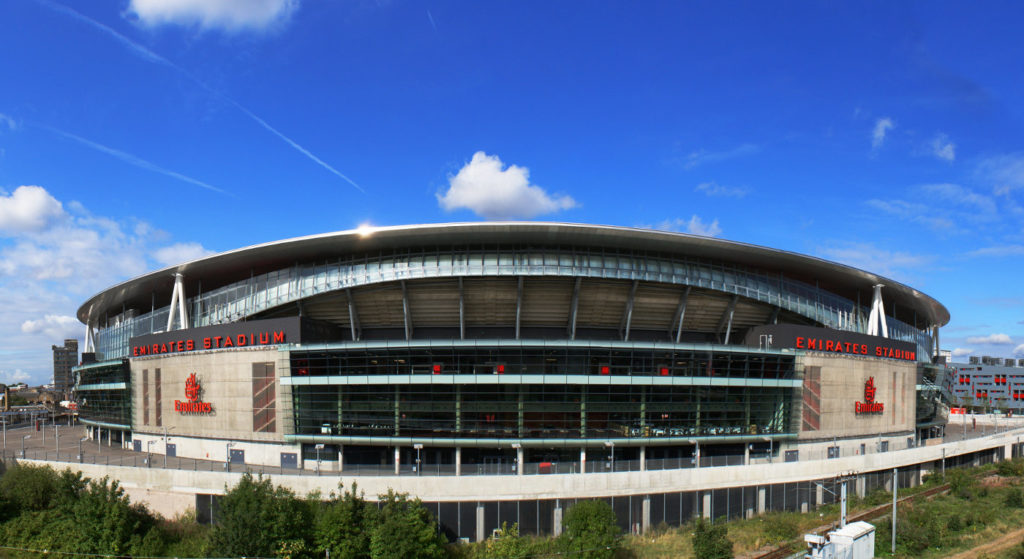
(992, 339)
(694, 226)
(882, 126)
(984, 206)
(179, 253)
(51, 263)
(14, 377)
(865, 256)
(231, 15)
(702, 156)
(1019, 350)
(489, 189)
(943, 148)
(8, 122)
(29, 208)
(56, 327)
(962, 351)
(1005, 250)
(715, 189)
(1006, 171)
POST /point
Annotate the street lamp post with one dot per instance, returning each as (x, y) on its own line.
(149, 453)
(23, 439)
(418, 447)
(227, 456)
(56, 438)
(319, 447)
(611, 446)
(82, 440)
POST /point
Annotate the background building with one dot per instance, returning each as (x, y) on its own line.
(64, 359)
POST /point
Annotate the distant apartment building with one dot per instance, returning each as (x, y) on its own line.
(64, 358)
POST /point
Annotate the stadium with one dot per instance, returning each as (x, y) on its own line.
(511, 349)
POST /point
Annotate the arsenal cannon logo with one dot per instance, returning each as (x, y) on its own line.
(193, 392)
(869, 405)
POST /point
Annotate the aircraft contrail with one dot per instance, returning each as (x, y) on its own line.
(154, 58)
(131, 159)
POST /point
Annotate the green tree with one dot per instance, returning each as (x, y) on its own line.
(344, 525)
(257, 519)
(405, 530)
(590, 529)
(710, 541)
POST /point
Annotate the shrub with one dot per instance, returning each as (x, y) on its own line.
(255, 518)
(711, 541)
(590, 530)
(405, 530)
(344, 525)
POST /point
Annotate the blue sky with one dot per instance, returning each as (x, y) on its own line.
(137, 134)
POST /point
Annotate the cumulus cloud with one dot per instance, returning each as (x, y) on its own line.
(490, 189)
(56, 327)
(52, 256)
(14, 377)
(942, 148)
(1005, 171)
(962, 352)
(1019, 350)
(231, 15)
(715, 189)
(882, 126)
(694, 226)
(29, 208)
(992, 339)
(179, 253)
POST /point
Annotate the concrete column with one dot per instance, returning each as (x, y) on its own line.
(862, 486)
(556, 520)
(762, 499)
(458, 460)
(819, 494)
(643, 460)
(888, 483)
(520, 468)
(705, 508)
(1007, 452)
(398, 460)
(645, 515)
(746, 453)
(583, 460)
(480, 530)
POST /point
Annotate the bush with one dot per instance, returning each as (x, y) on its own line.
(711, 541)
(405, 530)
(1010, 468)
(590, 529)
(344, 525)
(507, 544)
(255, 519)
(780, 527)
(1014, 498)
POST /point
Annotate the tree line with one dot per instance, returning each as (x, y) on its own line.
(43, 509)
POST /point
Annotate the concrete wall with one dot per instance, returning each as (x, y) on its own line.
(842, 385)
(162, 489)
(226, 380)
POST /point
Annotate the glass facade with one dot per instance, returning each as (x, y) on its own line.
(265, 291)
(103, 393)
(540, 393)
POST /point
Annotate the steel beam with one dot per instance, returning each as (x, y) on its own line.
(462, 313)
(677, 320)
(353, 317)
(572, 309)
(405, 312)
(519, 305)
(726, 321)
(628, 318)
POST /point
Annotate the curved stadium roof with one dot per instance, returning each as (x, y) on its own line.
(228, 267)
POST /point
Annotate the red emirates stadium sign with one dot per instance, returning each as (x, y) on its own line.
(869, 405)
(192, 403)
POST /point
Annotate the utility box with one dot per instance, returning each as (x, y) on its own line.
(854, 541)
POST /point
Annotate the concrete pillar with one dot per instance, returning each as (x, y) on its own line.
(556, 520)
(458, 460)
(862, 486)
(762, 499)
(888, 483)
(705, 508)
(520, 467)
(583, 460)
(398, 460)
(643, 459)
(645, 515)
(819, 495)
(341, 458)
(480, 534)
(746, 453)
(1007, 452)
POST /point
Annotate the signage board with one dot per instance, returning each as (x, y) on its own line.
(222, 336)
(810, 338)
